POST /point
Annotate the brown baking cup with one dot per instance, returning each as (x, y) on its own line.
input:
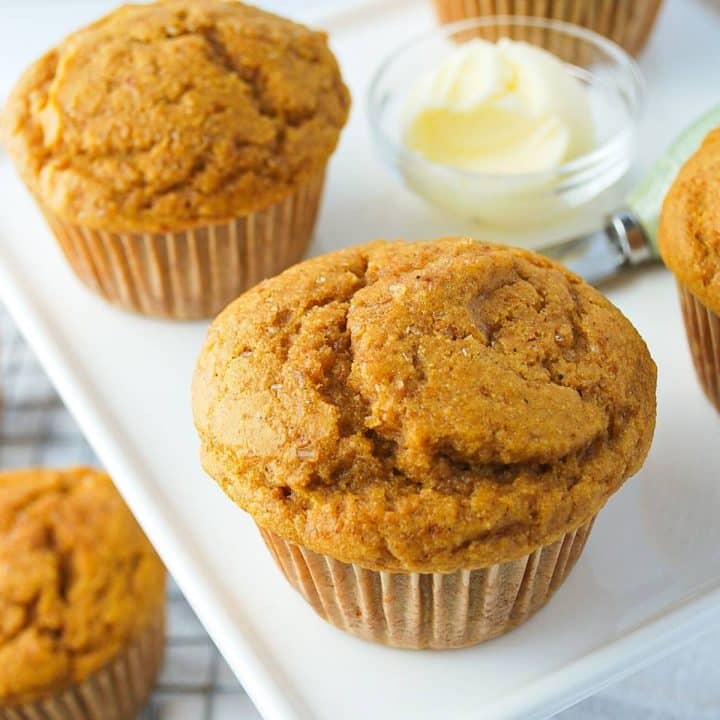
(626, 22)
(703, 332)
(428, 610)
(117, 691)
(191, 273)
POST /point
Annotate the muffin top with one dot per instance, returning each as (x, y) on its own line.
(689, 234)
(423, 406)
(78, 579)
(175, 114)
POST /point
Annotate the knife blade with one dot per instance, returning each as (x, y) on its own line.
(630, 234)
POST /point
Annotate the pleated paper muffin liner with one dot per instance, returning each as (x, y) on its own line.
(117, 691)
(626, 22)
(428, 610)
(703, 332)
(192, 273)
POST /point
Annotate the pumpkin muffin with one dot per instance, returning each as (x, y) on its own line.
(424, 432)
(689, 243)
(82, 599)
(178, 149)
(626, 22)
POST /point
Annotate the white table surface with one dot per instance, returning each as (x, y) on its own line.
(684, 686)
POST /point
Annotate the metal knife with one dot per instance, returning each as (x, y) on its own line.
(630, 234)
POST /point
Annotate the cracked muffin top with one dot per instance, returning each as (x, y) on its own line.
(176, 113)
(689, 235)
(78, 579)
(423, 406)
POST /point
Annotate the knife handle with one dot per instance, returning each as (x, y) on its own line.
(645, 201)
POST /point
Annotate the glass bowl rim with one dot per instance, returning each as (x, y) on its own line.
(597, 156)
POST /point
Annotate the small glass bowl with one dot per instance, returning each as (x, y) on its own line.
(514, 201)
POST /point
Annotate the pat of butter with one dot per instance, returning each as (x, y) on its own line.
(500, 108)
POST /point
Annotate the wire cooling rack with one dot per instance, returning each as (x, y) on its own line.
(36, 429)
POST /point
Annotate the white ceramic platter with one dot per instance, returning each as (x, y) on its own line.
(649, 578)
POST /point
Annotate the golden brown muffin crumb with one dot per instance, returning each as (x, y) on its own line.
(174, 114)
(78, 579)
(423, 406)
(689, 234)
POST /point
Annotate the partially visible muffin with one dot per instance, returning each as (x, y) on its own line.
(626, 22)
(178, 149)
(689, 240)
(424, 430)
(82, 598)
